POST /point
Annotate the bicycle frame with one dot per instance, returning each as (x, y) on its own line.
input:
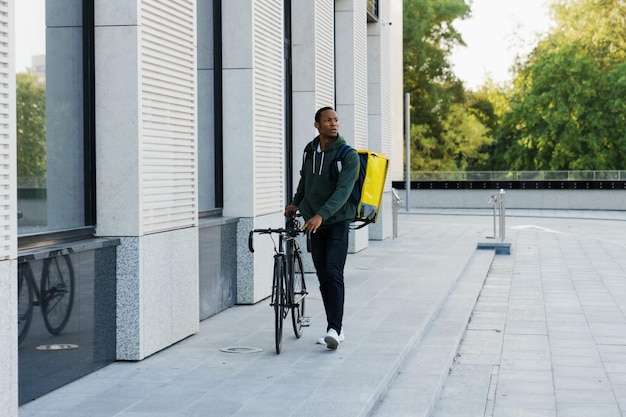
(291, 252)
(287, 267)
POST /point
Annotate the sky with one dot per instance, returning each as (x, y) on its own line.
(30, 36)
(497, 31)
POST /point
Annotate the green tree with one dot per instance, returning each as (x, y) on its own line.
(597, 27)
(567, 106)
(489, 103)
(467, 137)
(31, 127)
(463, 144)
(437, 96)
(555, 115)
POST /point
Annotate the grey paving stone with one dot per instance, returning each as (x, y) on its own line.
(523, 411)
(465, 392)
(588, 410)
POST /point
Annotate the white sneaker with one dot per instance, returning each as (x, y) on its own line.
(332, 339)
(322, 340)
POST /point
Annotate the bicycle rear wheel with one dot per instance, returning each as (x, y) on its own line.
(299, 295)
(278, 298)
(57, 292)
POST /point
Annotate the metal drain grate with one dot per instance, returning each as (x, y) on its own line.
(58, 346)
(241, 349)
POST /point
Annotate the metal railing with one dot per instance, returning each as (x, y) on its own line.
(496, 201)
(518, 175)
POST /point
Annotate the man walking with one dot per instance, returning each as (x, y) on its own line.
(323, 198)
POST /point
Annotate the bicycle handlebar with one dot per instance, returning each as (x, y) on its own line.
(292, 230)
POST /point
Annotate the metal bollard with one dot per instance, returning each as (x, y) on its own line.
(502, 215)
(395, 204)
(497, 202)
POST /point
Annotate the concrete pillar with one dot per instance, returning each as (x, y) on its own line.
(378, 109)
(351, 72)
(254, 147)
(313, 64)
(147, 169)
(8, 211)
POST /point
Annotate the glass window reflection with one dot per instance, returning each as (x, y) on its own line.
(50, 116)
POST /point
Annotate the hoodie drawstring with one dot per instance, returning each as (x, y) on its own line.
(321, 163)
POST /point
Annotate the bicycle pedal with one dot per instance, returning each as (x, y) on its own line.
(305, 321)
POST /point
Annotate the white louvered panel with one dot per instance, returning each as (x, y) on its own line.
(173, 206)
(268, 106)
(178, 122)
(164, 173)
(159, 79)
(167, 171)
(162, 89)
(170, 14)
(169, 140)
(8, 201)
(158, 54)
(324, 54)
(360, 77)
(176, 156)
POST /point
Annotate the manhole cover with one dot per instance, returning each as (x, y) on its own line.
(241, 349)
(57, 347)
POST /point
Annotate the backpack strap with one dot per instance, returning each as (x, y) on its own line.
(339, 157)
(308, 151)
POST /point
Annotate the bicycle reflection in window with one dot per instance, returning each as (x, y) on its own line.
(55, 294)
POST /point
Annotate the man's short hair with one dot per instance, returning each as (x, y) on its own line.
(318, 114)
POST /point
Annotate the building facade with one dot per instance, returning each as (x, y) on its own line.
(141, 146)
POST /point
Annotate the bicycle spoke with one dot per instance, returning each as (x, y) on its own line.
(57, 292)
(299, 294)
(25, 300)
(278, 297)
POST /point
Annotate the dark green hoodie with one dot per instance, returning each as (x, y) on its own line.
(320, 190)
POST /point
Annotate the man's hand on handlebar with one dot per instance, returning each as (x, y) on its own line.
(290, 211)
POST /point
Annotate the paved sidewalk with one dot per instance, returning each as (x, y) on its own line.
(547, 334)
(393, 289)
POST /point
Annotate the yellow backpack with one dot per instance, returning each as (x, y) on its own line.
(369, 186)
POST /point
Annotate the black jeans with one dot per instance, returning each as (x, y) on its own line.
(329, 249)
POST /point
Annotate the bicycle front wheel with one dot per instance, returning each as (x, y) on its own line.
(57, 292)
(299, 295)
(25, 299)
(278, 297)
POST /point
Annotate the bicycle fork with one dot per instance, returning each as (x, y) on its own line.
(291, 301)
(305, 321)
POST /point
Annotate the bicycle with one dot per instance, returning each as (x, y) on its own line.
(55, 294)
(288, 285)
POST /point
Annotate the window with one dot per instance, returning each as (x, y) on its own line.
(54, 128)
(372, 11)
(210, 194)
